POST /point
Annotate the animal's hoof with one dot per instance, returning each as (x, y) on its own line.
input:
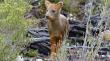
(53, 54)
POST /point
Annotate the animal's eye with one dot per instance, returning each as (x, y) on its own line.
(53, 11)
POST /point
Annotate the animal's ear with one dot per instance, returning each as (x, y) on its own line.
(47, 3)
(60, 4)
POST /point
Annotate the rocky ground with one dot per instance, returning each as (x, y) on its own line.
(77, 31)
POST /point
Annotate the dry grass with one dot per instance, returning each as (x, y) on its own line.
(95, 42)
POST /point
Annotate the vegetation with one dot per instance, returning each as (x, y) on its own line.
(13, 28)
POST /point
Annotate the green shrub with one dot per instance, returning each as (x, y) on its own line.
(13, 28)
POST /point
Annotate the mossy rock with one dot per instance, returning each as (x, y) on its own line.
(107, 36)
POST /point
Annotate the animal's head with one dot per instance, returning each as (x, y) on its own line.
(53, 10)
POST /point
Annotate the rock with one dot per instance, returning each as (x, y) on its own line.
(76, 35)
(42, 45)
(105, 49)
(102, 53)
(19, 58)
(39, 60)
(42, 23)
(105, 35)
(95, 19)
(41, 39)
(34, 12)
(35, 3)
(37, 33)
(95, 31)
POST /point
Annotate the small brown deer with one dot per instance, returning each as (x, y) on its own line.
(58, 25)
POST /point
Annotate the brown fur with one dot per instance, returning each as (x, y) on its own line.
(57, 25)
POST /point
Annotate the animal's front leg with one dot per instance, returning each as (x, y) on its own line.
(53, 46)
(59, 41)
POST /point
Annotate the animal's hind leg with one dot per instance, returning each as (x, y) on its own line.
(60, 41)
